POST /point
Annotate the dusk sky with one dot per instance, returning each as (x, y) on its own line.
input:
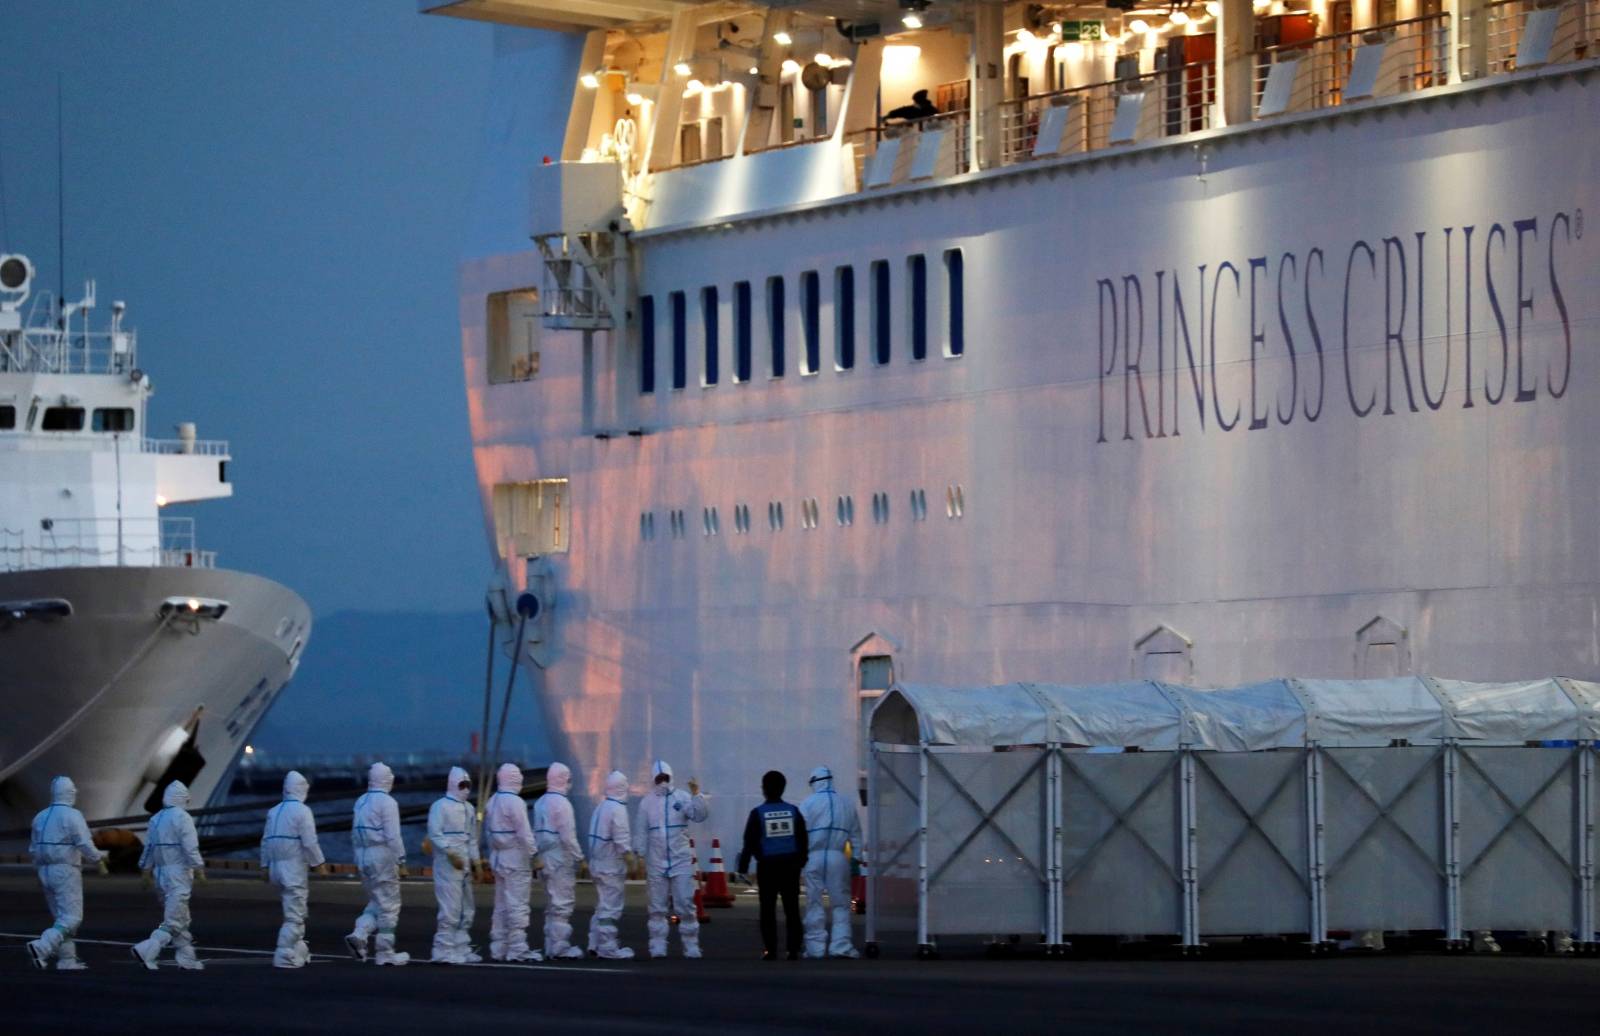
(280, 193)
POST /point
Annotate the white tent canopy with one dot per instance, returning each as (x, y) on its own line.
(1283, 713)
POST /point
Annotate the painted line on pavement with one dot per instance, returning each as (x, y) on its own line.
(346, 957)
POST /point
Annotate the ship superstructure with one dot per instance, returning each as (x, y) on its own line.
(1197, 342)
(130, 659)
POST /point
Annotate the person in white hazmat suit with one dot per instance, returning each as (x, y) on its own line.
(661, 835)
(511, 852)
(452, 828)
(60, 845)
(289, 850)
(555, 830)
(831, 821)
(171, 859)
(608, 852)
(381, 859)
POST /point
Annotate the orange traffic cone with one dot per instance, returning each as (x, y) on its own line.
(717, 894)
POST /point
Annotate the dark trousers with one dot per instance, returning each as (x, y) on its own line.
(774, 878)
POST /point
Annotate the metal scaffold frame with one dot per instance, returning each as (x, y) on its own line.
(1284, 835)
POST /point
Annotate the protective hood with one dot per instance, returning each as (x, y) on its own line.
(380, 778)
(295, 786)
(616, 785)
(558, 778)
(63, 792)
(508, 778)
(452, 784)
(177, 794)
(656, 770)
(821, 779)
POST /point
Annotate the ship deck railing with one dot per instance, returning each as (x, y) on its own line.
(1414, 55)
(164, 542)
(1409, 55)
(36, 351)
(187, 447)
(1574, 32)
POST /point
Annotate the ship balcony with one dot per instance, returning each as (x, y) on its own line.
(104, 542)
(578, 222)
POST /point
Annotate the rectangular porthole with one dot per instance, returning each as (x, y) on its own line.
(710, 318)
(956, 312)
(775, 323)
(881, 318)
(741, 331)
(811, 321)
(647, 344)
(844, 317)
(680, 340)
(917, 305)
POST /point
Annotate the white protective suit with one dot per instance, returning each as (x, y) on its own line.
(555, 830)
(60, 846)
(662, 837)
(289, 850)
(172, 852)
(608, 846)
(453, 830)
(511, 852)
(380, 853)
(831, 821)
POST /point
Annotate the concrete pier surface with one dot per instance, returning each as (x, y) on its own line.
(731, 990)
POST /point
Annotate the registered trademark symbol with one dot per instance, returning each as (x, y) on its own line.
(1577, 223)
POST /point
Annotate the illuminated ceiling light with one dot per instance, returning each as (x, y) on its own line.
(790, 66)
(911, 20)
(1180, 17)
(249, 749)
(1055, 27)
(1139, 25)
(755, 71)
(782, 39)
(682, 68)
(1024, 37)
(824, 60)
(636, 99)
(693, 86)
(1261, 5)
(589, 80)
(841, 62)
(161, 501)
(1213, 8)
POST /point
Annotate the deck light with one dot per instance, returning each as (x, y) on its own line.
(682, 68)
(1180, 17)
(635, 99)
(1139, 25)
(1213, 8)
(1024, 37)
(782, 39)
(824, 60)
(911, 20)
(791, 66)
(589, 80)
(693, 86)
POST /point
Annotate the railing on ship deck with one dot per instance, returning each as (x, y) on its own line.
(1415, 55)
(104, 542)
(1575, 35)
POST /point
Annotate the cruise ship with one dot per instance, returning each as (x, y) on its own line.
(128, 659)
(856, 342)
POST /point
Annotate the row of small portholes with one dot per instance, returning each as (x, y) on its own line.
(844, 514)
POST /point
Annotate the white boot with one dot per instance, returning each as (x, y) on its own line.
(39, 953)
(356, 943)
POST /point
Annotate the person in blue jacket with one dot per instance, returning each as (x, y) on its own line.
(775, 836)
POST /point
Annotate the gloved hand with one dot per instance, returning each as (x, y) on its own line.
(456, 861)
(147, 879)
(200, 875)
(405, 872)
(694, 786)
(103, 867)
(427, 847)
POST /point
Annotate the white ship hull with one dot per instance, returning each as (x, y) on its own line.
(134, 724)
(1362, 505)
